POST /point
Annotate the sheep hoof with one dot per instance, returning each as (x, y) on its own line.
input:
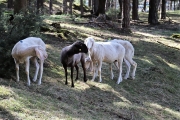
(28, 84)
(39, 83)
(34, 80)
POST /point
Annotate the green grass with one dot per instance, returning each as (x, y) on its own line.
(154, 94)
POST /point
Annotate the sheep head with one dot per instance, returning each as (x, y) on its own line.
(80, 47)
(89, 42)
(41, 53)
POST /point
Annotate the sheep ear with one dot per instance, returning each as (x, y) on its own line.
(40, 54)
(90, 43)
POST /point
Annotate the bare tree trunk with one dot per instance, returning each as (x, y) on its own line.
(163, 12)
(153, 12)
(108, 4)
(50, 7)
(144, 5)
(90, 3)
(126, 14)
(95, 6)
(101, 7)
(82, 10)
(70, 6)
(19, 5)
(42, 4)
(135, 15)
(65, 6)
(10, 3)
(121, 9)
(174, 5)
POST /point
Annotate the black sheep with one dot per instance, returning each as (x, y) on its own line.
(70, 57)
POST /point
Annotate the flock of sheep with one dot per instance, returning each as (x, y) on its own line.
(113, 52)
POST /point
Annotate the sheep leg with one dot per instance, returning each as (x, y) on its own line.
(120, 71)
(27, 71)
(72, 82)
(128, 67)
(99, 70)
(17, 72)
(41, 71)
(77, 70)
(37, 68)
(110, 67)
(84, 69)
(65, 69)
(134, 64)
(94, 71)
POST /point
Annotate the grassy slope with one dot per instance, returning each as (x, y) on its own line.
(154, 94)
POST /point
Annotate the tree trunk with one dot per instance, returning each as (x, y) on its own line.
(171, 5)
(42, 4)
(82, 10)
(174, 5)
(135, 15)
(70, 6)
(95, 4)
(50, 7)
(64, 6)
(163, 12)
(89, 3)
(121, 9)
(101, 7)
(10, 3)
(144, 6)
(19, 5)
(153, 12)
(107, 4)
(126, 14)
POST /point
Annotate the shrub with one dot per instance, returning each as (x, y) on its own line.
(26, 23)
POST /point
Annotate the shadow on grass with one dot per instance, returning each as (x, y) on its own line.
(156, 84)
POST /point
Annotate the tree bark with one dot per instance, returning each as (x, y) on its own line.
(144, 8)
(101, 7)
(10, 3)
(64, 6)
(153, 12)
(95, 4)
(107, 4)
(135, 15)
(90, 3)
(163, 12)
(121, 9)
(126, 14)
(82, 10)
(50, 7)
(19, 5)
(70, 6)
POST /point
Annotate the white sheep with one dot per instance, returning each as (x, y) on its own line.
(108, 52)
(128, 59)
(129, 54)
(31, 47)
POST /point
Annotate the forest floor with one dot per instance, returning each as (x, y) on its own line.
(154, 94)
